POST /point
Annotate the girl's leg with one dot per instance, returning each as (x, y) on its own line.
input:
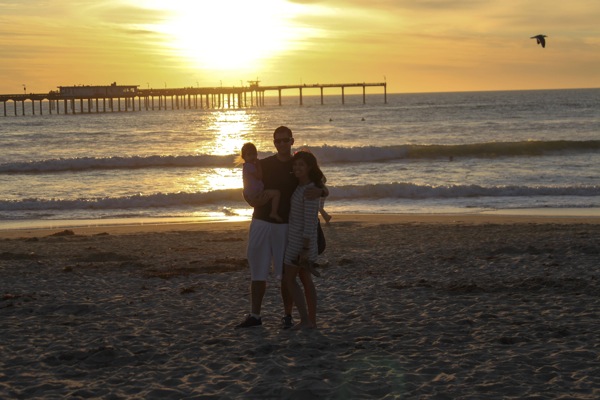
(310, 293)
(289, 278)
(310, 267)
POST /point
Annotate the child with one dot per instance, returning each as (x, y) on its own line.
(254, 189)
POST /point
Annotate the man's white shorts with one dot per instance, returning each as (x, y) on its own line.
(266, 247)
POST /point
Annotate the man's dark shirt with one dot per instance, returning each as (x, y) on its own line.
(277, 175)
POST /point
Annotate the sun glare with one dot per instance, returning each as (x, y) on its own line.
(230, 34)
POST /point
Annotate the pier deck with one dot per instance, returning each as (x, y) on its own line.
(86, 101)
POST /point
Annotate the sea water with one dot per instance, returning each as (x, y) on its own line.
(417, 153)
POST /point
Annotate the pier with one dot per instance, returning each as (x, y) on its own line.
(124, 98)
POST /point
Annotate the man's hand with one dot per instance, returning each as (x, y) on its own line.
(315, 193)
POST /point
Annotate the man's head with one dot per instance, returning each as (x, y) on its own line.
(283, 140)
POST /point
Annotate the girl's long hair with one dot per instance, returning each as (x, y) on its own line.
(314, 172)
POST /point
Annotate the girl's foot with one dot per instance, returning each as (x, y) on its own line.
(303, 325)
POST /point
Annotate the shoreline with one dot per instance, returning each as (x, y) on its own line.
(133, 225)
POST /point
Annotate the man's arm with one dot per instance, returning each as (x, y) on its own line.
(314, 193)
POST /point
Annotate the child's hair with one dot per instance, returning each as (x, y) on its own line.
(246, 148)
(314, 174)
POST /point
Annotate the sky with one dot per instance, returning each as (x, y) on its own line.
(412, 45)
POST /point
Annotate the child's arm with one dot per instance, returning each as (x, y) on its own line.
(251, 170)
(258, 170)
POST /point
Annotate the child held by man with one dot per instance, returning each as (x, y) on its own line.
(254, 189)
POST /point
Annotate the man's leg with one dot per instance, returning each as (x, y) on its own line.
(279, 242)
(257, 292)
(259, 259)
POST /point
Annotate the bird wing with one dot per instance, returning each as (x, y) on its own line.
(540, 39)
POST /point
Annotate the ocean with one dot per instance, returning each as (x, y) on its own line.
(468, 152)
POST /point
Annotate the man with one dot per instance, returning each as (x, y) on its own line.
(267, 238)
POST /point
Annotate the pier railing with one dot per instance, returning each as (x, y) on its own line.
(168, 98)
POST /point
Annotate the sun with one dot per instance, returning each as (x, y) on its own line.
(231, 34)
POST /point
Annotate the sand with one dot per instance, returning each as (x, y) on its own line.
(427, 307)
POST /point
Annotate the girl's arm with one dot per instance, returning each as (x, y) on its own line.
(311, 210)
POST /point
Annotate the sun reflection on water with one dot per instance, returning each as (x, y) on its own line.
(214, 179)
(224, 178)
(231, 129)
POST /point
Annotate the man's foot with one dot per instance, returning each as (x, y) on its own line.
(249, 322)
(287, 322)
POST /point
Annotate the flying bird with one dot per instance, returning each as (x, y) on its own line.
(540, 39)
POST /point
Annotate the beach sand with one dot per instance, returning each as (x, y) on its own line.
(412, 306)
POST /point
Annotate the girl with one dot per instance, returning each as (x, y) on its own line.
(301, 251)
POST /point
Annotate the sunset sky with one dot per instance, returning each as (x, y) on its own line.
(415, 46)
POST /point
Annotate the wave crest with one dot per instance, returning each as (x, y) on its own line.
(326, 155)
(350, 192)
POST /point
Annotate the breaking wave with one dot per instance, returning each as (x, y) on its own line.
(325, 154)
(351, 192)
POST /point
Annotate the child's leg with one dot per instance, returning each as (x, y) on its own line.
(275, 196)
(275, 200)
(263, 198)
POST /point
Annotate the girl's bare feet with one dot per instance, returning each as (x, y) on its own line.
(303, 325)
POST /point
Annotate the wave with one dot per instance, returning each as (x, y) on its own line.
(133, 162)
(347, 193)
(414, 191)
(126, 202)
(325, 154)
(332, 154)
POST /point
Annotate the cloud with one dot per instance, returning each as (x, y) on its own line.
(422, 41)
